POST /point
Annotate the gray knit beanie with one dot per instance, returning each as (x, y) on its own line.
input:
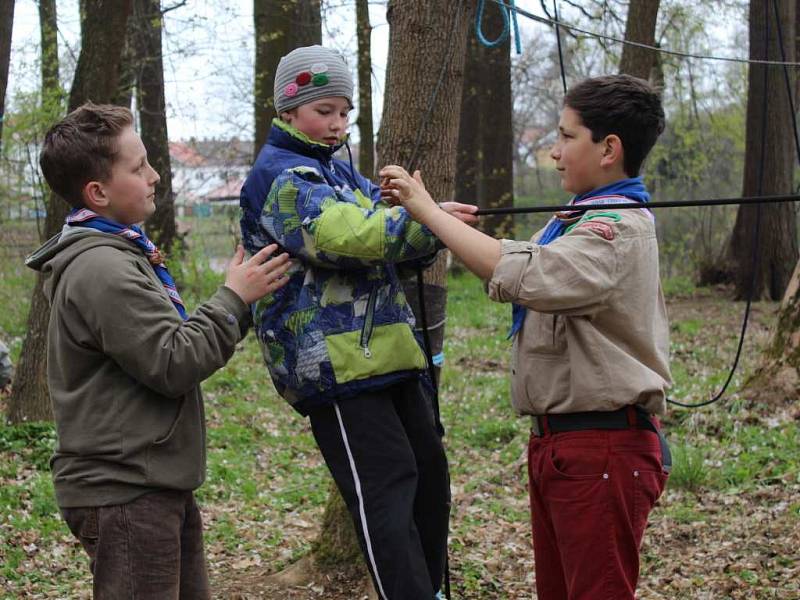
(310, 73)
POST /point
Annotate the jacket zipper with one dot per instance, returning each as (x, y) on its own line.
(369, 317)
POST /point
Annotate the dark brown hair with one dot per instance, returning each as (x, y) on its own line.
(620, 105)
(81, 148)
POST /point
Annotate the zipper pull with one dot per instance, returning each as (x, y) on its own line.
(367, 353)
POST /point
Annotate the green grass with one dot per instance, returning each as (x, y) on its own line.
(267, 485)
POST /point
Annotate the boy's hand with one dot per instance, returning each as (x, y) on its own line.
(408, 191)
(386, 193)
(462, 212)
(254, 278)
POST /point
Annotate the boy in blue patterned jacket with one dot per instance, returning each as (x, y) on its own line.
(339, 338)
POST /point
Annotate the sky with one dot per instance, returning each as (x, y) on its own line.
(208, 57)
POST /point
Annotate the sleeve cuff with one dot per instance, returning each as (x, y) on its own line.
(238, 313)
(515, 256)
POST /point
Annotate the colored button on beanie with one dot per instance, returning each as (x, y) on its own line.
(310, 73)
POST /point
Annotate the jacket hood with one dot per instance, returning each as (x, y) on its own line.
(56, 254)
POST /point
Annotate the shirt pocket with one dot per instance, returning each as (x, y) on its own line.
(545, 333)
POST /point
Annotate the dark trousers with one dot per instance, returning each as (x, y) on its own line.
(387, 459)
(591, 492)
(148, 549)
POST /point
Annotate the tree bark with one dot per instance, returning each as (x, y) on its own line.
(6, 28)
(48, 29)
(777, 250)
(366, 147)
(640, 27)
(153, 116)
(280, 27)
(412, 136)
(779, 377)
(96, 79)
(485, 138)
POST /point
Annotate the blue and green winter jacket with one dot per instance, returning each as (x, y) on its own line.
(341, 326)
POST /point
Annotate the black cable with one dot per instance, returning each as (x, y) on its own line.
(625, 42)
(560, 54)
(412, 161)
(631, 205)
(756, 230)
(420, 278)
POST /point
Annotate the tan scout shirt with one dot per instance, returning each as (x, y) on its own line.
(596, 336)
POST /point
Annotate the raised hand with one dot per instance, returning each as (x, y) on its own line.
(254, 278)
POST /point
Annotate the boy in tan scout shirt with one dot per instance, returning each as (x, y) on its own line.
(591, 347)
(125, 362)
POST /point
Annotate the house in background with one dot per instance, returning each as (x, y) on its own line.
(207, 175)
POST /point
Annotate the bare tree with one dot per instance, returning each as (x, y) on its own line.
(419, 129)
(147, 49)
(780, 373)
(6, 27)
(366, 148)
(280, 27)
(96, 78)
(486, 135)
(778, 250)
(640, 27)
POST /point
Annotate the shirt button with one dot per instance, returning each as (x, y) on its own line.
(529, 247)
(230, 319)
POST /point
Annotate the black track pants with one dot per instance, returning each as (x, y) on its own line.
(387, 459)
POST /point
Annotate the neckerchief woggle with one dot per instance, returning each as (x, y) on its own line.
(88, 218)
(632, 189)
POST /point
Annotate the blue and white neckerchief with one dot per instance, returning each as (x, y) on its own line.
(632, 189)
(88, 218)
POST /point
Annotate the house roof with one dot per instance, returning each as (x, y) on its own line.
(212, 153)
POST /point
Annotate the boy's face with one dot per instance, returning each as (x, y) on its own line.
(128, 196)
(323, 120)
(579, 160)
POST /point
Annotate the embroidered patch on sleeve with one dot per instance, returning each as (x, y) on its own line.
(604, 230)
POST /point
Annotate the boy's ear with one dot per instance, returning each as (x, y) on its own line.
(94, 196)
(612, 151)
(288, 115)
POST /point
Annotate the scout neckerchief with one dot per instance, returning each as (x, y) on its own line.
(88, 218)
(632, 188)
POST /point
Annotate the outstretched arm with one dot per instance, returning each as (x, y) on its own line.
(479, 252)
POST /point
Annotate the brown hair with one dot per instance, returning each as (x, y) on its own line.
(81, 148)
(620, 105)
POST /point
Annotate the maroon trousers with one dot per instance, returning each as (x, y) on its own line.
(591, 492)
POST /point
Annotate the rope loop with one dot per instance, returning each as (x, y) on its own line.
(509, 13)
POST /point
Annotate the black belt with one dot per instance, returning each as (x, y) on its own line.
(629, 417)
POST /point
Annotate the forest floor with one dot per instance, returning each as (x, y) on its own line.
(727, 526)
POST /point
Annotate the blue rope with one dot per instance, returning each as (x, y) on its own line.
(505, 11)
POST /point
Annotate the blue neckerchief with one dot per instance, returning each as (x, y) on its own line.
(87, 218)
(632, 188)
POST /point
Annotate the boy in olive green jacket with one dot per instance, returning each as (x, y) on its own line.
(125, 362)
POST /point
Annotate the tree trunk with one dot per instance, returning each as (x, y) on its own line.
(48, 29)
(6, 28)
(779, 377)
(416, 136)
(96, 79)
(128, 67)
(485, 138)
(280, 27)
(153, 116)
(640, 27)
(777, 250)
(366, 147)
